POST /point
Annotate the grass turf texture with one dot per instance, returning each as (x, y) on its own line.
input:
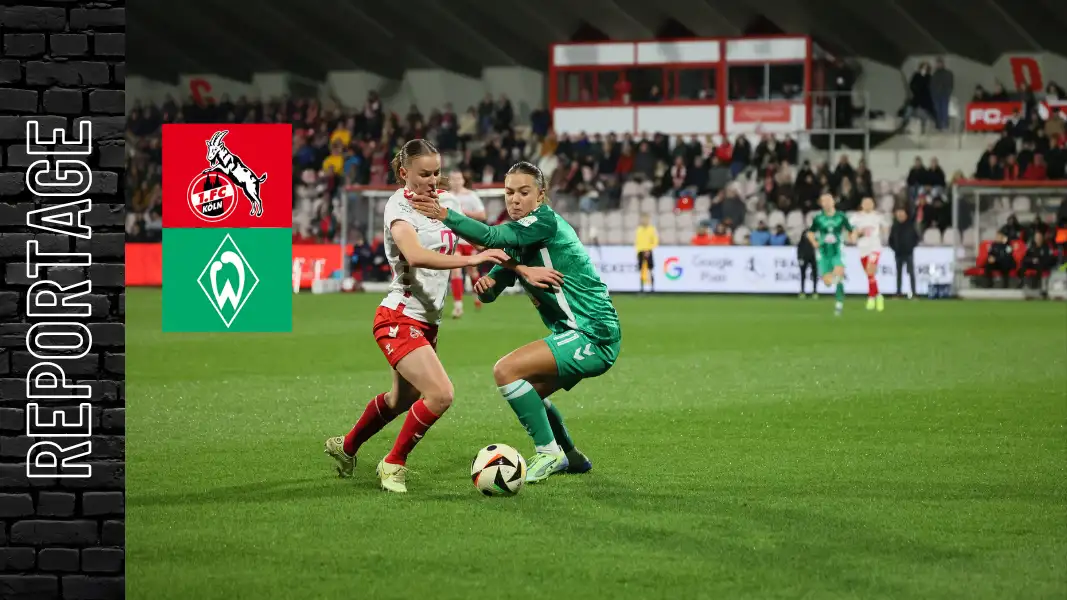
(744, 448)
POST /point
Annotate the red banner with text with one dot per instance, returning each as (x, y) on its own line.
(994, 116)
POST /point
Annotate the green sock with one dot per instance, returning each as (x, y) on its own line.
(839, 292)
(555, 419)
(530, 410)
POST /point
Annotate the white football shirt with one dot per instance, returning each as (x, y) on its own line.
(869, 226)
(470, 202)
(420, 291)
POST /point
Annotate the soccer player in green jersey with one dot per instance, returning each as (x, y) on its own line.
(826, 235)
(585, 336)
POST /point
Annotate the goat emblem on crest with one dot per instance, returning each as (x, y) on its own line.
(209, 202)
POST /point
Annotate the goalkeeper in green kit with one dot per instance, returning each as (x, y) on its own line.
(576, 307)
(826, 234)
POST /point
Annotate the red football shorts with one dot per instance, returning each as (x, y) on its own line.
(465, 249)
(398, 335)
(871, 259)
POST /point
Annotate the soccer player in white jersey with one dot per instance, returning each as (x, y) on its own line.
(868, 224)
(471, 206)
(421, 254)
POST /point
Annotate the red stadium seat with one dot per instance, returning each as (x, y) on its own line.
(980, 262)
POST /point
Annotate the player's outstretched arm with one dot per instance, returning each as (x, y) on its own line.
(407, 240)
(494, 283)
(527, 231)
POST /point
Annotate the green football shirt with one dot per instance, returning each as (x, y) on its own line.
(829, 232)
(543, 239)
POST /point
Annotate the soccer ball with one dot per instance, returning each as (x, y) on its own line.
(498, 470)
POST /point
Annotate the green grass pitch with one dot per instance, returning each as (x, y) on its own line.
(743, 448)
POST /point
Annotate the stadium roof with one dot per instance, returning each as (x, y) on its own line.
(239, 37)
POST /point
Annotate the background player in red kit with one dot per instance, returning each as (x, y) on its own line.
(421, 254)
(471, 205)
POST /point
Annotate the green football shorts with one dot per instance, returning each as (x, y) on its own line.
(577, 357)
(828, 261)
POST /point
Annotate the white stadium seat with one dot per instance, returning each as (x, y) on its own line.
(932, 237)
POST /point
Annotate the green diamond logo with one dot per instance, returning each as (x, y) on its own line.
(228, 280)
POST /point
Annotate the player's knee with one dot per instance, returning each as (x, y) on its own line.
(440, 398)
(504, 372)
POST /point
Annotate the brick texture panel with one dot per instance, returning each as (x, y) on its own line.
(62, 61)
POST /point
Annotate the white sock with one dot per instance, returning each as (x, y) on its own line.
(552, 448)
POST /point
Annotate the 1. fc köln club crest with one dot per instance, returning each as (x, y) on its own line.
(218, 174)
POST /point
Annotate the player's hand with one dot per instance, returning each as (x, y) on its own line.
(484, 284)
(494, 256)
(428, 206)
(541, 277)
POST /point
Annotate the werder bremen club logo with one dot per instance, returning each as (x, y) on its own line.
(227, 279)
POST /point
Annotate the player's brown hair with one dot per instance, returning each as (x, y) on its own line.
(410, 150)
(525, 168)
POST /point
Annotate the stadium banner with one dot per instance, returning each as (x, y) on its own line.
(310, 263)
(754, 269)
(994, 116)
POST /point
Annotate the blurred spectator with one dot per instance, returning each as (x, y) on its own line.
(920, 103)
(942, 83)
(779, 237)
(761, 236)
(702, 237)
(806, 263)
(335, 162)
(1011, 168)
(935, 176)
(721, 237)
(842, 172)
(903, 238)
(675, 178)
(1036, 170)
(740, 156)
(1054, 92)
(847, 198)
(718, 175)
(1038, 260)
(733, 206)
(807, 191)
(788, 151)
(917, 177)
(864, 180)
(1000, 260)
(362, 259)
(486, 110)
(504, 114)
(1013, 229)
(644, 163)
(990, 168)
